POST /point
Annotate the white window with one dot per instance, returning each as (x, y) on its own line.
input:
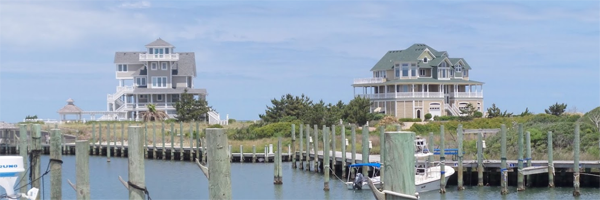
(159, 82)
(405, 69)
(397, 70)
(159, 97)
(451, 73)
(164, 66)
(154, 67)
(380, 74)
(458, 67)
(122, 68)
(140, 81)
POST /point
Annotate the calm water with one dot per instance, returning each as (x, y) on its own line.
(184, 180)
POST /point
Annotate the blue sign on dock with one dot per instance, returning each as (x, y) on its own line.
(511, 164)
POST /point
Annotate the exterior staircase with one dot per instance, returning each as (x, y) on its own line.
(453, 110)
(215, 118)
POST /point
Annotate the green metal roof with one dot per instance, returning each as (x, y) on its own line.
(422, 81)
(410, 55)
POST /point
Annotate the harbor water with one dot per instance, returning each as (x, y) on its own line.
(184, 180)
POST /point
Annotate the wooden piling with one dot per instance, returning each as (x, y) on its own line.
(94, 139)
(55, 165)
(181, 142)
(459, 132)
(301, 147)
(241, 153)
(153, 140)
(164, 150)
(114, 139)
(353, 137)
(108, 142)
(135, 159)
(576, 149)
(253, 153)
(307, 147)
(23, 153)
(82, 171)
(479, 159)
(173, 142)
(528, 180)
(219, 171)
(442, 161)
(99, 139)
(230, 154)
(278, 179)
(503, 169)
(316, 148)
(192, 144)
(400, 178)
(36, 156)
(326, 160)
(343, 143)
(365, 149)
(381, 152)
(550, 161)
(520, 186)
(332, 139)
(294, 145)
(122, 140)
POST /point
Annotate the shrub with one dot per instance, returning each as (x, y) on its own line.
(478, 114)
(447, 118)
(215, 126)
(378, 116)
(427, 116)
(409, 120)
(231, 121)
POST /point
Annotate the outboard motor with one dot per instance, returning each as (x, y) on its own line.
(10, 166)
(358, 182)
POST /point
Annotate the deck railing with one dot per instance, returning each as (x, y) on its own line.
(368, 80)
(155, 57)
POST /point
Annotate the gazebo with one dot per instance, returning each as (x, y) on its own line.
(70, 109)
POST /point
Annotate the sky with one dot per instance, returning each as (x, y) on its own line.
(530, 54)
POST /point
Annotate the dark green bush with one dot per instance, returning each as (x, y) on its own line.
(427, 116)
(409, 120)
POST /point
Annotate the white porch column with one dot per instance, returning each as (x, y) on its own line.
(396, 90)
(412, 90)
(422, 90)
(165, 99)
(482, 93)
(470, 88)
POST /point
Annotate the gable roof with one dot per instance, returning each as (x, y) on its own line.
(128, 57)
(186, 65)
(159, 43)
(455, 61)
(411, 54)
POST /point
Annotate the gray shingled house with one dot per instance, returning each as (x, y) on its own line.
(156, 76)
(418, 80)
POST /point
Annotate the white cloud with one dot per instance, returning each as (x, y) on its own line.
(139, 4)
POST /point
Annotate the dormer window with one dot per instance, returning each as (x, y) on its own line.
(443, 64)
(122, 68)
(425, 60)
(458, 67)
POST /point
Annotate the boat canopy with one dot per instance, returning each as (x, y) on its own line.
(366, 164)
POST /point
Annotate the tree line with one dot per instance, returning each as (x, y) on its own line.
(289, 108)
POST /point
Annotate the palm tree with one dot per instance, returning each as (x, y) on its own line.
(154, 115)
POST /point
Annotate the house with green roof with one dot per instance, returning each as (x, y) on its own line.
(418, 80)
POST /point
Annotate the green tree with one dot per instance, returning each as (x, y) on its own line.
(316, 114)
(288, 105)
(556, 109)
(154, 115)
(496, 112)
(358, 110)
(526, 113)
(190, 109)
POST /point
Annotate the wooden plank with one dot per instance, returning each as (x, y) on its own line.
(534, 170)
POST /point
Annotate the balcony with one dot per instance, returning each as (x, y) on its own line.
(369, 80)
(400, 95)
(159, 57)
(467, 94)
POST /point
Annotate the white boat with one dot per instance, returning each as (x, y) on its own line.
(427, 175)
(360, 182)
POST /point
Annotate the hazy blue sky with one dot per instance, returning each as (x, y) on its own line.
(528, 53)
